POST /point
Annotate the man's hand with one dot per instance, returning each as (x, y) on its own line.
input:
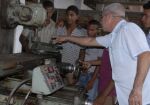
(59, 39)
(135, 97)
(85, 65)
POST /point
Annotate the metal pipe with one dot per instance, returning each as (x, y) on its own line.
(15, 89)
(26, 97)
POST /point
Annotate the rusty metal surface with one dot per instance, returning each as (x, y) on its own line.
(23, 57)
(20, 57)
(65, 94)
(27, 61)
(5, 73)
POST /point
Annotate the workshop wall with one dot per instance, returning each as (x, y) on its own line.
(6, 35)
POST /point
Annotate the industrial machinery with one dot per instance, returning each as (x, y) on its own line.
(43, 85)
(37, 78)
(29, 15)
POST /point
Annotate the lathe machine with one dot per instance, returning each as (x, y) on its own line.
(35, 78)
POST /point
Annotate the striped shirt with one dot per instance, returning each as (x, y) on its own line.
(70, 52)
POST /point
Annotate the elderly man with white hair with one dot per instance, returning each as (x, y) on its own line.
(129, 54)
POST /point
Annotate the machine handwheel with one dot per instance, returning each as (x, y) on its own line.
(15, 90)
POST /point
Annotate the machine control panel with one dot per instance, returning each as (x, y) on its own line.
(46, 79)
(52, 77)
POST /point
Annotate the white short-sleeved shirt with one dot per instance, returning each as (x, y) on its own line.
(70, 52)
(46, 33)
(92, 54)
(43, 35)
(125, 43)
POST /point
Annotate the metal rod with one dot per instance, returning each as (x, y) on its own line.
(26, 97)
(15, 89)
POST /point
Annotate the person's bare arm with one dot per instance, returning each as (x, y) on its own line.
(100, 100)
(143, 65)
(84, 41)
(95, 62)
(108, 89)
(87, 64)
(95, 74)
(92, 80)
(24, 42)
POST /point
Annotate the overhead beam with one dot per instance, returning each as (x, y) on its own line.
(125, 3)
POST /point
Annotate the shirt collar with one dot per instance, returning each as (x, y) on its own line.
(116, 29)
(118, 26)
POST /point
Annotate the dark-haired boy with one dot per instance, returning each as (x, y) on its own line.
(70, 51)
(146, 19)
(88, 78)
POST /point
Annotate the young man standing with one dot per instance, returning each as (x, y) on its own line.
(70, 51)
(89, 76)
